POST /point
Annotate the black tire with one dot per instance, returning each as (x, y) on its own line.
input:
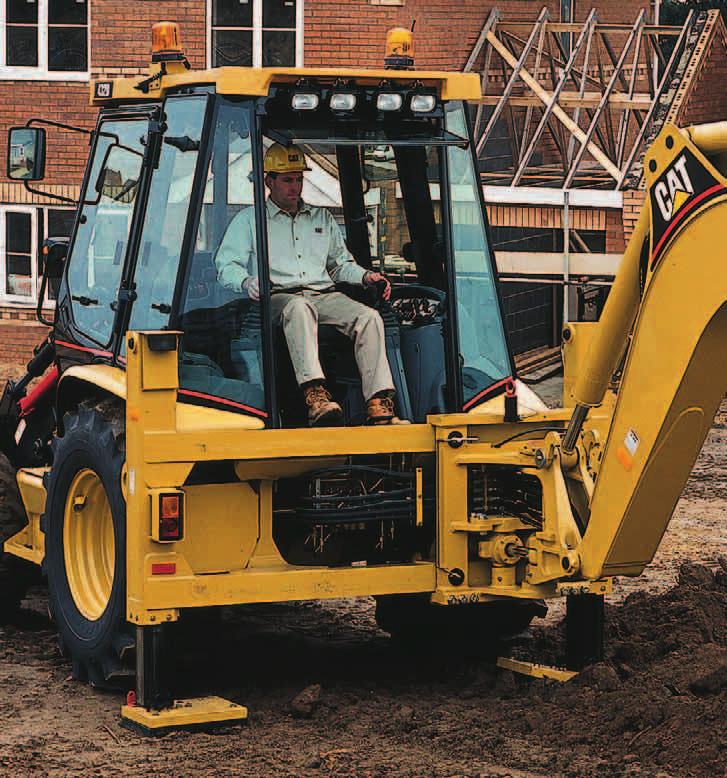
(100, 648)
(413, 618)
(16, 575)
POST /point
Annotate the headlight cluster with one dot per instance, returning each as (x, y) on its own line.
(416, 102)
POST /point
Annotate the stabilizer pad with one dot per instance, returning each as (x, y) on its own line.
(194, 713)
(536, 670)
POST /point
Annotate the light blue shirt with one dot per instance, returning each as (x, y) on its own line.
(305, 250)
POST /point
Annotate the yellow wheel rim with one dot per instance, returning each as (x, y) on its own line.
(88, 544)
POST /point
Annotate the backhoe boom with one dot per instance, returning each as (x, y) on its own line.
(676, 371)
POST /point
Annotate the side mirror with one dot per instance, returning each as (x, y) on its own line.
(54, 256)
(26, 153)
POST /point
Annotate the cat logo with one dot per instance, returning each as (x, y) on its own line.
(674, 189)
(689, 182)
(103, 89)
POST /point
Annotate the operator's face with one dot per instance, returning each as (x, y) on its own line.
(285, 189)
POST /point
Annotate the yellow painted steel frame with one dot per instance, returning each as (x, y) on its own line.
(257, 81)
(29, 543)
(228, 555)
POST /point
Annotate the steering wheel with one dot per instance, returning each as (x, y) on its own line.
(416, 304)
(413, 291)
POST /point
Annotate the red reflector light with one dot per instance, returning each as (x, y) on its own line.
(170, 517)
(163, 568)
(170, 506)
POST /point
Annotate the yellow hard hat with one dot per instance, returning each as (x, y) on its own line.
(284, 159)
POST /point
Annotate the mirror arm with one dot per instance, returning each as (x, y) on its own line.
(73, 128)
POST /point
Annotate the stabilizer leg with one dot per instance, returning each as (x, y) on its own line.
(584, 624)
(153, 711)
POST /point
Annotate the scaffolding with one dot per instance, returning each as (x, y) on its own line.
(574, 105)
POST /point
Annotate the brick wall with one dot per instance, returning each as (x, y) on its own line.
(445, 32)
(20, 333)
(633, 201)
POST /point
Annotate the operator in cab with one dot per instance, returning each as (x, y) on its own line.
(308, 257)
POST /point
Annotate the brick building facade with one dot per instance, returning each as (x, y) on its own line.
(54, 47)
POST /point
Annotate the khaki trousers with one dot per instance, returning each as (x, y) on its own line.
(300, 314)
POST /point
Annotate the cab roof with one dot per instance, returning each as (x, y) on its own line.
(256, 82)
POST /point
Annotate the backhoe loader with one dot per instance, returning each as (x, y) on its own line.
(163, 457)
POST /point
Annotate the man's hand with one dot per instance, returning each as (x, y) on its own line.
(252, 287)
(373, 279)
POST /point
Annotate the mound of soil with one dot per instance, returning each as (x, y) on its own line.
(659, 701)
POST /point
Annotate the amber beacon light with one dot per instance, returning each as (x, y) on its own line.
(166, 42)
(399, 48)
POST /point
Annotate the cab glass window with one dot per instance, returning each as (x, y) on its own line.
(99, 247)
(483, 349)
(221, 353)
(166, 213)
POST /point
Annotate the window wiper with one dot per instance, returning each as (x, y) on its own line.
(183, 143)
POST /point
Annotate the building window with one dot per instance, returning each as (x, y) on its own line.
(18, 252)
(45, 39)
(22, 230)
(256, 33)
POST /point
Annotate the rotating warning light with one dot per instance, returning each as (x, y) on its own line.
(399, 49)
(166, 42)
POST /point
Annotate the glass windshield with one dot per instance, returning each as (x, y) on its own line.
(166, 213)
(483, 349)
(99, 247)
(221, 352)
(362, 206)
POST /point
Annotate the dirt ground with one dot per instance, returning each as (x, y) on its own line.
(329, 695)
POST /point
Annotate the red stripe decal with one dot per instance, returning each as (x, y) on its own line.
(682, 214)
(481, 396)
(223, 401)
(97, 352)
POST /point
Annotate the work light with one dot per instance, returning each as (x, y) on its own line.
(389, 101)
(342, 101)
(305, 101)
(422, 103)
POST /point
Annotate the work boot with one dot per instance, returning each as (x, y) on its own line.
(322, 410)
(380, 410)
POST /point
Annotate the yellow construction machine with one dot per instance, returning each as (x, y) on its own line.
(163, 458)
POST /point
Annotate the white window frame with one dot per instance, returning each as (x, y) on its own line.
(49, 302)
(257, 33)
(40, 72)
(18, 299)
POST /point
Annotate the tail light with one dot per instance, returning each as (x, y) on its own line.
(168, 516)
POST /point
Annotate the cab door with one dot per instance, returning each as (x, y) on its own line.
(88, 296)
(167, 229)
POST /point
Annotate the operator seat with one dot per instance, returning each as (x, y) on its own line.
(337, 361)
